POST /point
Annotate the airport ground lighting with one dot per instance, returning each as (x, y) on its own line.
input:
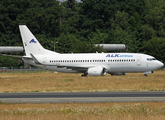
(54, 44)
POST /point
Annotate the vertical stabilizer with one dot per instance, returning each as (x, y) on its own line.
(30, 43)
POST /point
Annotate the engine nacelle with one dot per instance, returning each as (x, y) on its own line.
(96, 71)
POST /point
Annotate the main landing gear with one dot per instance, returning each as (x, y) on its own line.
(84, 75)
(145, 75)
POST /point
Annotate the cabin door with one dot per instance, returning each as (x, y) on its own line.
(138, 61)
(44, 60)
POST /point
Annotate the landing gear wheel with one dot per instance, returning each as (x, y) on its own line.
(84, 75)
(145, 75)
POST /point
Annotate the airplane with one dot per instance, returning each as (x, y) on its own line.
(92, 64)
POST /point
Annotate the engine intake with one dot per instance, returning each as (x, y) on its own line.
(96, 71)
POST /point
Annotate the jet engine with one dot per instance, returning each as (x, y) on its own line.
(96, 71)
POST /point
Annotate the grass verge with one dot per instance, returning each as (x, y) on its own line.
(84, 111)
(55, 82)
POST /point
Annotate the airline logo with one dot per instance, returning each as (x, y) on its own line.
(118, 55)
(33, 41)
(25, 44)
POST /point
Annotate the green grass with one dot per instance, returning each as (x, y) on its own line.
(35, 91)
(68, 80)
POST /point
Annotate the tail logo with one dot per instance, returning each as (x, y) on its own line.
(33, 41)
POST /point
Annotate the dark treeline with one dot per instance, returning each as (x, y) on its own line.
(139, 24)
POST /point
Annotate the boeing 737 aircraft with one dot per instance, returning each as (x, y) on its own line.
(92, 64)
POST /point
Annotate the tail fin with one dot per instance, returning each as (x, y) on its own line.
(30, 43)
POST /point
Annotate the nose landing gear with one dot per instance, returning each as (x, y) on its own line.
(149, 72)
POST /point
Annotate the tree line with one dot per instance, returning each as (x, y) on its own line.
(139, 24)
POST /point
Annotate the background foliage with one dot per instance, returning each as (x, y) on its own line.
(139, 24)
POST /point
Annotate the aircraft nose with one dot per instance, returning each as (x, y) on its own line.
(160, 64)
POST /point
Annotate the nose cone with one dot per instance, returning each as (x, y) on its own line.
(159, 64)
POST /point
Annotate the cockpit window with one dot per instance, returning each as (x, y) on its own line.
(151, 59)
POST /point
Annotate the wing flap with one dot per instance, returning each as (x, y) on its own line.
(78, 68)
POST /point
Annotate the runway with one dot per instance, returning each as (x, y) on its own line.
(82, 97)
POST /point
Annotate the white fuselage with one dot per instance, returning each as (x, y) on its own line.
(113, 62)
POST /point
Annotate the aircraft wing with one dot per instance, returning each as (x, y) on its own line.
(78, 68)
(74, 67)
